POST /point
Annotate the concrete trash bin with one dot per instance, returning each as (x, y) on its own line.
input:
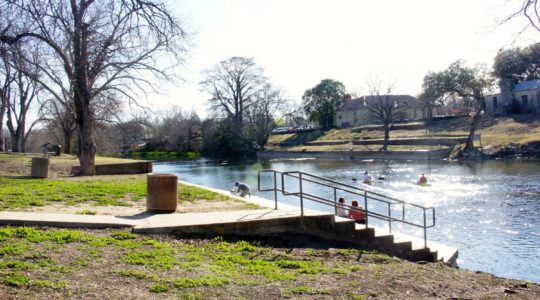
(40, 167)
(161, 193)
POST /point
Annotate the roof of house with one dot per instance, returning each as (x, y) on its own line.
(362, 102)
(527, 85)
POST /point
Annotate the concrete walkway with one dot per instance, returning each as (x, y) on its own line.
(148, 221)
(145, 220)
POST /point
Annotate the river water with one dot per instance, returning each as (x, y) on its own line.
(488, 210)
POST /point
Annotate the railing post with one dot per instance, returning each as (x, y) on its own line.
(365, 207)
(389, 218)
(425, 230)
(335, 201)
(301, 195)
(275, 191)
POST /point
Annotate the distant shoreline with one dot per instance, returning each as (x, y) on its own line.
(423, 155)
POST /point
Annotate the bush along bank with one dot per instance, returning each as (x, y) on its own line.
(530, 150)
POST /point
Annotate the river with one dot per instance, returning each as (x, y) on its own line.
(488, 210)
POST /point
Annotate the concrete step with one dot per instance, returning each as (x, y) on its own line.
(403, 246)
(344, 225)
(437, 251)
(424, 254)
(385, 241)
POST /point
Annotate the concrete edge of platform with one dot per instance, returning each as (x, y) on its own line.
(63, 220)
(263, 202)
(64, 224)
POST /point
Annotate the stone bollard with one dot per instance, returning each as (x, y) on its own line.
(40, 167)
(161, 193)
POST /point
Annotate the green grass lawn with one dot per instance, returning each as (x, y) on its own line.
(20, 193)
(196, 268)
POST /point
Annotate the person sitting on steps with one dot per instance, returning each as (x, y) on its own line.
(357, 213)
(341, 210)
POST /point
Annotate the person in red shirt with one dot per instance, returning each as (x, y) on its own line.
(357, 213)
(422, 179)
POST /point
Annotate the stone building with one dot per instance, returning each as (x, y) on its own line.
(523, 98)
(355, 112)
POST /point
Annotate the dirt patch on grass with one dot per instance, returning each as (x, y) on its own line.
(112, 264)
(200, 205)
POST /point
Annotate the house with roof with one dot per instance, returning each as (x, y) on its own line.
(524, 97)
(355, 112)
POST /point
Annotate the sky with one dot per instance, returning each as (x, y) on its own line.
(298, 43)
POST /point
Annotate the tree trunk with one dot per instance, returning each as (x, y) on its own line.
(15, 136)
(386, 128)
(82, 98)
(481, 105)
(68, 137)
(87, 147)
(15, 143)
(22, 141)
(469, 145)
(3, 147)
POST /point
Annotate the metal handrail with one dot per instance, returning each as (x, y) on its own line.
(338, 186)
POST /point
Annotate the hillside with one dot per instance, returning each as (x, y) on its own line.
(519, 134)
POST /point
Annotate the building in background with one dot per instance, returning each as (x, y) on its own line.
(523, 98)
(355, 112)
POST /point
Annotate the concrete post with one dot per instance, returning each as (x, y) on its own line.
(161, 193)
(40, 167)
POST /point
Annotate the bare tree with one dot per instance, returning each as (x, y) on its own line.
(527, 9)
(294, 114)
(102, 45)
(234, 84)
(176, 130)
(20, 95)
(7, 78)
(60, 116)
(261, 116)
(383, 106)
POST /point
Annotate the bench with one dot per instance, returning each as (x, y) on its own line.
(51, 150)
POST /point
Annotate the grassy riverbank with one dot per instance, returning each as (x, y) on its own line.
(496, 134)
(113, 264)
(38, 262)
(117, 195)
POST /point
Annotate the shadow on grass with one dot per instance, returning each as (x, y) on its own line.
(139, 216)
(303, 137)
(22, 177)
(525, 118)
(285, 240)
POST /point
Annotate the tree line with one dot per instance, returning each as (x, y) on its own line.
(81, 61)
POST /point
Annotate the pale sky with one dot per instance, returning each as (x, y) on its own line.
(300, 42)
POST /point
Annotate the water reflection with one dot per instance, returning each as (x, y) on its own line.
(489, 210)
